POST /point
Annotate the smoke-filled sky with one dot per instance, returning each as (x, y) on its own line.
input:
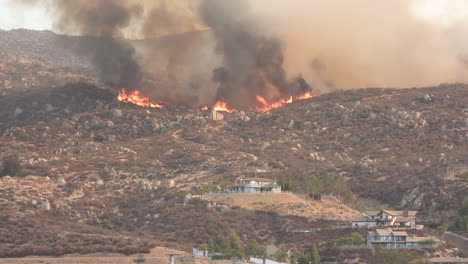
(442, 12)
(235, 50)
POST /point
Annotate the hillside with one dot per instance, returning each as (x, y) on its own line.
(286, 204)
(116, 176)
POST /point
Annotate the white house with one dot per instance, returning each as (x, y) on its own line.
(386, 218)
(255, 185)
(389, 238)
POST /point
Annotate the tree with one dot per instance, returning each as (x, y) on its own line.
(357, 238)
(314, 255)
(354, 239)
(254, 248)
(287, 185)
(11, 165)
(231, 246)
(443, 164)
(235, 245)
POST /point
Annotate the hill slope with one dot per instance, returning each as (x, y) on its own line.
(125, 170)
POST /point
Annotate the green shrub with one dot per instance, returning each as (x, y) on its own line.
(99, 137)
(354, 239)
(229, 246)
(463, 176)
(11, 166)
(328, 183)
(450, 244)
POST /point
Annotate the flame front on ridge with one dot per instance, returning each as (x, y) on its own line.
(135, 97)
(262, 105)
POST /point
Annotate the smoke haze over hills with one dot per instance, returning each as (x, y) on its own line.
(210, 50)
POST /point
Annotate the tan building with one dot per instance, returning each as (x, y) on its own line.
(389, 238)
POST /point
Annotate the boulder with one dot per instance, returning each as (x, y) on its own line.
(44, 205)
(18, 111)
(61, 180)
(222, 208)
(116, 113)
(48, 108)
(170, 183)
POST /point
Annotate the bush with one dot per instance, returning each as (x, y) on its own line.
(254, 249)
(229, 247)
(450, 244)
(354, 239)
(463, 176)
(11, 166)
(99, 137)
(329, 183)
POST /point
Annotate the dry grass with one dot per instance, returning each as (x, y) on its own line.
(286, 204)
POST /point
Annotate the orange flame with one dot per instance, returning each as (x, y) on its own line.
(135, 97)
(262, 103)
(265, 106)
(221, 106)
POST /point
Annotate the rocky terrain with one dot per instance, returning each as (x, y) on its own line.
(96, 169)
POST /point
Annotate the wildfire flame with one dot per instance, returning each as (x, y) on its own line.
(222, 106)
(264, 106)
(136, 97)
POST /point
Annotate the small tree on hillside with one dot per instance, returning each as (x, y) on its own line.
(11, 165)
(314, 255)
(443, 164)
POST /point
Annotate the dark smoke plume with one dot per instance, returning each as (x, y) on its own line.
(231, 60)
(102, 23)
(198, 51)
(252, 62)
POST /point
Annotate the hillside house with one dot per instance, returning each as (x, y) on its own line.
(386, 218)
(254, 185)
(389, 238)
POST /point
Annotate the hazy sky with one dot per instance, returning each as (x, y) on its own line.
(442, 12)
(32, 18)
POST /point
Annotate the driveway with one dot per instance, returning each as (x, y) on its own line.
(460, 241)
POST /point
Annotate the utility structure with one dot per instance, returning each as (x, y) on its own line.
(172, 254)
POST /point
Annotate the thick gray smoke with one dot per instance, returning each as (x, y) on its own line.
(196, 52)
(252, 62)
(102, 23)
(203, 51)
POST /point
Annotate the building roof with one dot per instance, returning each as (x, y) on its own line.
(448, 260)
(400, 213)
(361, 219)
(389, 232)
(258, 179)
(392, 213)
(372, 213)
